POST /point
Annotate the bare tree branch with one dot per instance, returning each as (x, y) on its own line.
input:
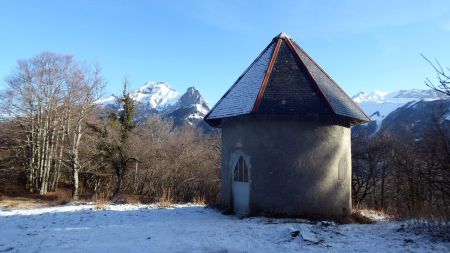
(443, 77)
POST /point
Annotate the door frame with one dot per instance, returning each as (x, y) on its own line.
(234, 158)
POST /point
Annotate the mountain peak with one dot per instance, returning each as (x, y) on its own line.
(191, 97)
(374, 96)
(158, 97)
(155, 95)
(151, 85)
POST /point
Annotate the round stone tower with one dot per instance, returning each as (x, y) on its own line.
(286, 146)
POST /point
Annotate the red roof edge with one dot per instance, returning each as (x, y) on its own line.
(324, 98)
(266, 76)
(326, 74)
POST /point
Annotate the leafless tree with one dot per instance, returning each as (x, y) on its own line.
(50, 96)
(442, 76)
(83, 90)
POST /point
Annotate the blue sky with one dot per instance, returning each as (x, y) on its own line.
(363, 45)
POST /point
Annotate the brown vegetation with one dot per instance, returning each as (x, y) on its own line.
(54, 137)
(404, 176)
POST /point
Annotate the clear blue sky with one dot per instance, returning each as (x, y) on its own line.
(363, 45)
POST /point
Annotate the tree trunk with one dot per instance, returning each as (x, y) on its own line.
(119, 186)
(75, 182)
(383, 176)
(75, 158)
(135, 177)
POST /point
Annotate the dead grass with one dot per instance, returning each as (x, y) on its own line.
(28, 200)
(61, 197)
(166, 199)
(131, 199)
(22, 203)
(166, 203)
(360, 218)
(101, 201)
(199, 200)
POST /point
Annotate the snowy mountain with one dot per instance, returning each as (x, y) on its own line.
(381, 105)
(155, 96)
(190, 107)
(159, 98)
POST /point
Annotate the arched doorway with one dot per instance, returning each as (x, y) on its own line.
(241, 186)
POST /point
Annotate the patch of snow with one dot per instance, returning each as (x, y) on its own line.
(307, 234)
(202, 109)
(196, 116)
(447, 117)
(374, 215)
(106, 101)
(157, 95)
(193, 228)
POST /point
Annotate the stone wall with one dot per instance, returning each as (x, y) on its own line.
(297, 167)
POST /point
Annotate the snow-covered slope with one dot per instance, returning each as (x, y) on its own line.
(159, 98)
(379, 104)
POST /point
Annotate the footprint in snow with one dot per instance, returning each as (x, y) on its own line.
(6, 249)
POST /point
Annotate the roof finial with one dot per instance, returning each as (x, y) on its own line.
(282, 35)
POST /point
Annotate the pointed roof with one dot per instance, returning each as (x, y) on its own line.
(284, 79)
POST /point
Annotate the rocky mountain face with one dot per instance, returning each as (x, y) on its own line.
(159, 98)
(404, 110)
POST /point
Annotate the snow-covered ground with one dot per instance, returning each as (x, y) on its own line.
(193, 228)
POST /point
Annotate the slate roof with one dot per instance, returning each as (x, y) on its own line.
(285, 80)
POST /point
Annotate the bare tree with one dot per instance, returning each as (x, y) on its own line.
(50, 96)
(442, 76)
(83, 90)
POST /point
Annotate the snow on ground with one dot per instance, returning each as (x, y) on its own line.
(193, 228)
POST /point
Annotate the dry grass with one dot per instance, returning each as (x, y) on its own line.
(199, 200)
(131, 199)
(63, 196)
(360, 218)
(166, 199)
(101, 201)
(166, 203)
(22, 202)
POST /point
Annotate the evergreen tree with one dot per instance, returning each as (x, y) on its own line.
(115, 140)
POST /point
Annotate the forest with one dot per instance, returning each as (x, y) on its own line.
(56, 140)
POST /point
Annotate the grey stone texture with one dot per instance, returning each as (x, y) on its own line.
(297, 166)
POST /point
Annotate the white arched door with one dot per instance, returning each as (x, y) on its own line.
(241, 187)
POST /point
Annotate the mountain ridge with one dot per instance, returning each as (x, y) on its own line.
(159, 98)
(379, 104)
(190, 107)
(412, 109)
